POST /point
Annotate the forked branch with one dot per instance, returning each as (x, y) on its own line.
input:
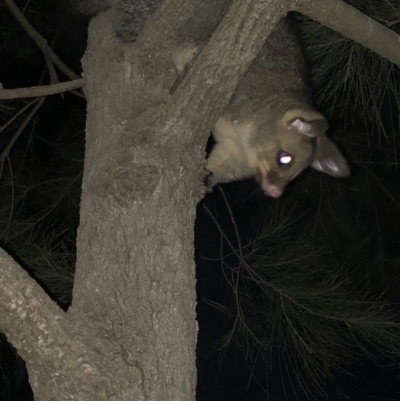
(32, 322)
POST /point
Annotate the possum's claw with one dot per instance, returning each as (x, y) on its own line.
(205, 187)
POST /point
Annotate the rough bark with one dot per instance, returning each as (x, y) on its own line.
(46, 339)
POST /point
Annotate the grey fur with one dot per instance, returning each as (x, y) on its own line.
(131, 15)
(271, 114)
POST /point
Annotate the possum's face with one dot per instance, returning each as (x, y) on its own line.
(272, 147)
(278, 159)
(280, 150)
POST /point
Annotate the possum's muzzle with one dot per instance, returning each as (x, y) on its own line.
(272, 190)
(271, 184)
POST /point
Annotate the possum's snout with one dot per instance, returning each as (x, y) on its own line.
(274, 191)
(271, 184)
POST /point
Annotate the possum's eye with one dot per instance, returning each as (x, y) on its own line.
(284, 159)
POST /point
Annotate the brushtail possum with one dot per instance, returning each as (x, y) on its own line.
(270, 130)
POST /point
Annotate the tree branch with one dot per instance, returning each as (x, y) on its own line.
(225, 59)
(350, 22)
(28, 317)
(5, 153)
(37, 91)
(16, 115)
(46, 338)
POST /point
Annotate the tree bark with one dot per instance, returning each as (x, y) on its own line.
(52, 347)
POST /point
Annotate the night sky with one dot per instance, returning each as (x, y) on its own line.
(362, 209)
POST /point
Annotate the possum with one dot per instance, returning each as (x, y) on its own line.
(270, 129)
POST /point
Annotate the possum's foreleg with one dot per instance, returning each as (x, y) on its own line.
(226, 164)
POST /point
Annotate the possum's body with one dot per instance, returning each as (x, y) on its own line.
(270, 129)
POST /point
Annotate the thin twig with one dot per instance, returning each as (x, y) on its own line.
(38, 91)
(6, 231)
(7, 150)
(16, 115)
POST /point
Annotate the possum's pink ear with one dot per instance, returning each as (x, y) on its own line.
(306, 122)
(311, 128)
(328, 159)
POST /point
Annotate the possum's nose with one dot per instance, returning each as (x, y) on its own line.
(271, 190)
(275, 192)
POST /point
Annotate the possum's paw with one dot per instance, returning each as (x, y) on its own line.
(183, 55)
(204, 190)
(209, 182)
(182, 58)
(202, 193)
(205, 187)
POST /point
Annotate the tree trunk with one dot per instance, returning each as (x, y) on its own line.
(130, 333)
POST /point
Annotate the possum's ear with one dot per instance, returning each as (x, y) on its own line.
(305, 122)
(328, 159)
